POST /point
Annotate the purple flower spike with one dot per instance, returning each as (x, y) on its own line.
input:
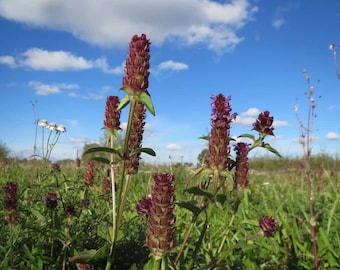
(268, 226)
(219, 140)
(264, 123)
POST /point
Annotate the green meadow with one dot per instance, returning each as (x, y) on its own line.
(44, 238)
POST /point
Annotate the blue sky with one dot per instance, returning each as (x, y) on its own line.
(66, 57)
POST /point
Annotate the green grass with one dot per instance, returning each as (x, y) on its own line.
(277, 188)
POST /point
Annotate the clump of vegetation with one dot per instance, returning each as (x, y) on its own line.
(113, 212)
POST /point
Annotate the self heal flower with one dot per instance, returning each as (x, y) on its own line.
(264, 123)
(112, 116)
(85, 203)
(161, 219)
(69, 210)
(136, 82)
(10, 189)
(242, 165)
(221, 118)
(268, 226)
(51, 200)
(137, 65)
(55, 167)
(143, 206)
(89, 173)
(135, 138)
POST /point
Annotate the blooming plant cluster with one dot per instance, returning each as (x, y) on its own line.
(221, 185)
(221, 171)
(52, 139)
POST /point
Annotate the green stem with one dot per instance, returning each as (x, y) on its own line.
(116, 219)
(185, 240)
(54, 142)
(230, 249)
(200, 240)
(128, 128)
(113, 194)
(225, 236)
(113, 191)
(42, 141)
(47, 145)
(188, 232)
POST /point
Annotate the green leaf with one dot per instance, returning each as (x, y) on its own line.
(332, 213)
(271, 149)
(227, 174)
(246, 135)
(146, 99)
(189, 205)
(101, 159)
(101, 149)
(105, 232)
(199, 192)
(204, 137)
(130, 91)
(88, 256)
(28, 254)
(146, 150)
(221, 198)
(83, 256)
(102, 252)
(123, 103)
(39, 217)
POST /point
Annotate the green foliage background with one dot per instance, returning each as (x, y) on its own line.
(277, 188)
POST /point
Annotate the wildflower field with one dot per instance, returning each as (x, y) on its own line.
(46, 237)
(109, 210)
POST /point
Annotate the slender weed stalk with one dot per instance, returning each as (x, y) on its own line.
(306, 139)
(333, 47)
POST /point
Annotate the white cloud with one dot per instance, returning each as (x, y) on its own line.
(39, 59)
(113, 22)
(78, 140)
(102, 64)
(244, 121)
(8, 60)
(249, 117)
(332, 136)
(277, 23)
(282, 11)
(251, 112)
(175, 66)
(47, 89)
(279, 123)
(173, 146)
